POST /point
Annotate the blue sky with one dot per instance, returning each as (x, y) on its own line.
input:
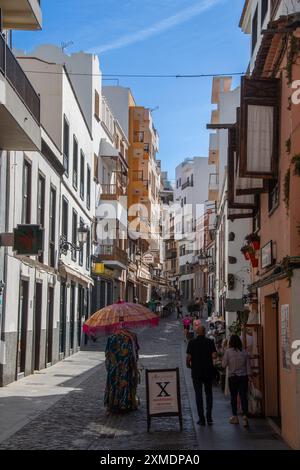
(155, 37)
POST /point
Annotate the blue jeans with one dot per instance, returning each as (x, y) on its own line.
(198, 387)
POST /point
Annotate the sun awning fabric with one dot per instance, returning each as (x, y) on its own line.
(259, 128)
(107, 150)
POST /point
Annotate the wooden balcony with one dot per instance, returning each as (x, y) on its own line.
(21, 14)
(112, 255)
(112, 191)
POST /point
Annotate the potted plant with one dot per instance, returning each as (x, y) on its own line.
(245, 252)
(254, 239)
(254, 261)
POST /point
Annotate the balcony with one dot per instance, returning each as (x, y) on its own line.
(187, 184)
(112, 191)
(19, 105)
(112, 256)
(21, 14)
(213, 187)
(171, 253)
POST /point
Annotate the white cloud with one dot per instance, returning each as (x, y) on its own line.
(168, 23)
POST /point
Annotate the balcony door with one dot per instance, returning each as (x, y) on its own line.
(37, 325)
(49, 331)
(22, 327)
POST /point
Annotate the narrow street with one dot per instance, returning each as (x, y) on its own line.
(62, 407)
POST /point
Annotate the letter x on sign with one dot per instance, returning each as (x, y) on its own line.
(163, 392)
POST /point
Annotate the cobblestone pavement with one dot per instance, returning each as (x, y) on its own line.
(69, 414)
(78, 420)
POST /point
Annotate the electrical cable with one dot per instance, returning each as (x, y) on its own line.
(111, 75)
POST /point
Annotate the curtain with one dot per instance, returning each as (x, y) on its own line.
(260, 138)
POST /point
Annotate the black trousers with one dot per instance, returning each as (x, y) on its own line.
(198, 387)
(238, 385)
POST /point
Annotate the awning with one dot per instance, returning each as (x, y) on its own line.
(107, 150)
(65, 270)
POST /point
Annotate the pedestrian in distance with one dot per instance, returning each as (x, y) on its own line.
(201, 352)
(186, 326)
(237, 360)
(179, 309)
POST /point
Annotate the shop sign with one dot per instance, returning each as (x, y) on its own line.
(148, 258)
(285, 337)
(98, 268)
(267, 255)
(163, 394)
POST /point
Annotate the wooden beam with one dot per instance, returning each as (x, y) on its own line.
(220, 126)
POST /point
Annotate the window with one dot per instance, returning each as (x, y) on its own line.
(138, 137)
(26, 209)
(264, 10)
(96, 167)
(273, 192)
(81, 251)
(88, 251)
(41, 207)
(180, 182)
(52, 227)
(256, 214)
(41, 201)
(66, 145)
(192, 180)
(88, 187)
(254, 29)
(75, 162)
(65, 218)
(74, 234)
(82, 175)
(97, 106)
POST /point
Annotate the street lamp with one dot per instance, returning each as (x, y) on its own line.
(82, 234)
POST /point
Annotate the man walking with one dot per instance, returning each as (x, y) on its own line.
(201, 352)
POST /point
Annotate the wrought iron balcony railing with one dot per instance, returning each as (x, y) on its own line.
(13, 72)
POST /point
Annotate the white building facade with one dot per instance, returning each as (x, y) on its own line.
(190, 195)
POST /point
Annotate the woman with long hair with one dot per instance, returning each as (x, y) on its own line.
(239, 372)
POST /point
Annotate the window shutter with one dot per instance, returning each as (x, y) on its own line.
(259, 127)
(246, 201)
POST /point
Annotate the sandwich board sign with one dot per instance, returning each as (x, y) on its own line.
(163, 394)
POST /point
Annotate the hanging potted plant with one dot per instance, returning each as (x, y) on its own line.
(245, 252)
(254, 262)
(254, 239)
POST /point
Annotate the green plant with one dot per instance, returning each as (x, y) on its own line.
(287, 179)
(288, 145)
(286, 265)
(253, 237)
(294, 46)
(296, 161)
(236, 328)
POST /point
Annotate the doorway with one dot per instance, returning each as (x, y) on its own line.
(22, 327)
(37, 325)
(62, 319)
(272, 360)
(80, 310)
(49, 332)
(72, 316)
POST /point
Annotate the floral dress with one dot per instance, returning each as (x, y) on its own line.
(122, 372)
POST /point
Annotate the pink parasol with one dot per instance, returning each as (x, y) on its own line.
(120, 315)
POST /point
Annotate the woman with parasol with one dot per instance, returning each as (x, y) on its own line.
(121, 354)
